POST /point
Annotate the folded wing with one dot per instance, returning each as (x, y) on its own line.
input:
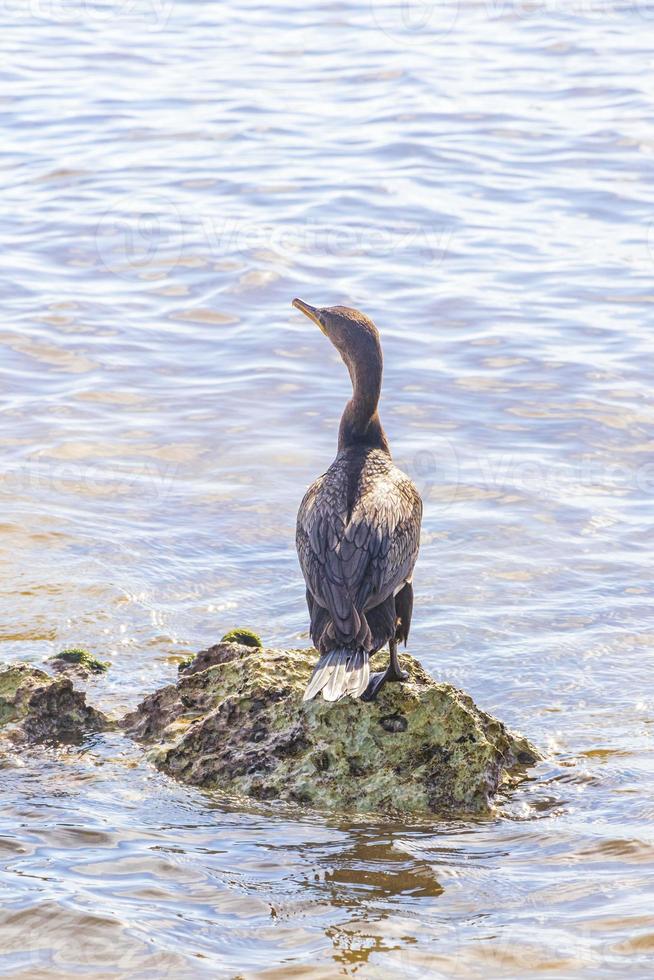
(352, 560)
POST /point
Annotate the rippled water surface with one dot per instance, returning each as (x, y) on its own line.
(478, 178)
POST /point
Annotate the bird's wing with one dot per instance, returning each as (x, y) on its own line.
(381, 540)
(353, 564)
(320, 527)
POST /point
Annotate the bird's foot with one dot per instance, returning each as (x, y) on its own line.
(378, 680)
(375, 685)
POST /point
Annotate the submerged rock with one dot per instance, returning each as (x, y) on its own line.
(37, 707)
(235, 721)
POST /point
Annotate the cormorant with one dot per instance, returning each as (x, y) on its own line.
(358, 529)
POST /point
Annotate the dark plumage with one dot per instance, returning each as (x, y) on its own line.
(358, 529)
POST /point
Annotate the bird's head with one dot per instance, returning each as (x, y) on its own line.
(356, 339)
(352, 333)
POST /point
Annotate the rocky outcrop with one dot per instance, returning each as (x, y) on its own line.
(235, 721)
(37, 707)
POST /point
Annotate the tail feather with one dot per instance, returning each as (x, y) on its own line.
(334, 688)
(339, 673)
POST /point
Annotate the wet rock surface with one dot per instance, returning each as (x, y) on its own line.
(37, 707)
(235, 721)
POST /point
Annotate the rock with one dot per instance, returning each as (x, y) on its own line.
(37, 707)
(219, 654)
(235, 721)
(78, 660)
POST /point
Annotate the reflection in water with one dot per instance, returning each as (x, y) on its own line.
(477, 180)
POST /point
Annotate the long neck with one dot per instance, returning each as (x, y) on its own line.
(360, 422)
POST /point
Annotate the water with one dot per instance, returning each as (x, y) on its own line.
(476, 178)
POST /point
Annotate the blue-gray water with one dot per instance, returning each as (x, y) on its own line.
(478, 178)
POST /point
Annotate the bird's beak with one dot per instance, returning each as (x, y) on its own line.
(311, 311)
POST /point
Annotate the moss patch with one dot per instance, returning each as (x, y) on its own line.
(79, 658)
(243, 636)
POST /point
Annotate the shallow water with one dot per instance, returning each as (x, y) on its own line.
(478, 178)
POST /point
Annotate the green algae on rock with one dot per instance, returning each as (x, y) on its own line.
(37, 707)
(235, 721)
(245, 637)
(78, 659)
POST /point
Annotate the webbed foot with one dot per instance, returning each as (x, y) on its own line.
(375, 685)
(378, 680)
